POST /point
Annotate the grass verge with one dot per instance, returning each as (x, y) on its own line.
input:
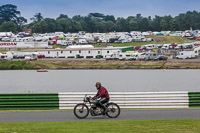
(96, 64)
(15, 65)
(144, 126)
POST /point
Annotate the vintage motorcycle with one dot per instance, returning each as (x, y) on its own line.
(82, 110)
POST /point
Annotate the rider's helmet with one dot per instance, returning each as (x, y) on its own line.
(98, 85)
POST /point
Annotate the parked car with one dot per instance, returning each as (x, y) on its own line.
(40, 56)
(172, 46)
(188, 47)
(161, 57)
(137, 48)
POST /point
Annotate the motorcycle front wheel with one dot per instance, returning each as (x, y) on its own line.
(81, 111)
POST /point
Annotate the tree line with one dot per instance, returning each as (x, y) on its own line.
(11, 20)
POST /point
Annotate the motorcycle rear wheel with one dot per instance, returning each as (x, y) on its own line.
(113, 110)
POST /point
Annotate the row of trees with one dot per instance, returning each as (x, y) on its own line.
(11, 20)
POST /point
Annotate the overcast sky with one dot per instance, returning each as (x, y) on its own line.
(118, 8)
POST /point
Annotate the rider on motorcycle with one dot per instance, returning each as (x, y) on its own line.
(103, 94)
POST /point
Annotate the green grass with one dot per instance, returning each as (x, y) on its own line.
(3, 50)
(122, 44)
(144, 126)
(90, 64)
(58, 46)
(15, 65)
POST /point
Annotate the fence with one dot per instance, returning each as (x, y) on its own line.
(194, 99)
(29, 101)
(67, 100)
(132, 99)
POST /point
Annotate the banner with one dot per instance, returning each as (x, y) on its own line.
(23, 44)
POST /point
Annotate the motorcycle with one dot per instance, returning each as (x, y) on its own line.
(82, 110)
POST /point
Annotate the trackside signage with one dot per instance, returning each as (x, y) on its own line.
(23, 44)
(8, 44)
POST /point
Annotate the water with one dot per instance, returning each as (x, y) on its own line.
(24, 81)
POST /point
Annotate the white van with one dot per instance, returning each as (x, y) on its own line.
(186, 55)
(112, 57)
(151, 56)
(32, 56)
(126, 56)
(6, 56)
(141, 56)
(166, 46)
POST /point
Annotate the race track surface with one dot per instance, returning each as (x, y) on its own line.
(62, 116)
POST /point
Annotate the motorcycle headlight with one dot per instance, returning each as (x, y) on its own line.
(85, 99)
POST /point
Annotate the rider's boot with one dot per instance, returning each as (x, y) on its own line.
(104, 110)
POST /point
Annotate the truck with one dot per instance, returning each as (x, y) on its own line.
(186, 55)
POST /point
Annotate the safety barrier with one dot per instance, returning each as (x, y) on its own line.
(67, 100)
(194, 99)
(29, 101)
(131, 99)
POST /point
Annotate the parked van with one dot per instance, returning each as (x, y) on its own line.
(197, 51)
(166, 46)
(32, 56)
(126, 56)
(186, 55)
(112, 57)
(151, 56)
(136, 56)
(6, 56)
(141, 56)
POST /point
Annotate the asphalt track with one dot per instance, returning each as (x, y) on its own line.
(62, 116)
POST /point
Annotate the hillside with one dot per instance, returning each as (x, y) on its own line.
(157, 40)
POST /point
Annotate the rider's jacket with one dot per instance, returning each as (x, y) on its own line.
(102, 92)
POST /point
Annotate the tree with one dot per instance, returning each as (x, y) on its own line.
(156, 23)
(133, 23)
(122, 25)
(76, 26)
(64, 25)
(110, 26)
(9, 27)
(37, 18)
(51, 25)
(21, 22)
(8, 12)
(40, 27)
(62, 16)
(97, 15)
(165, 23)
(110, 18)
